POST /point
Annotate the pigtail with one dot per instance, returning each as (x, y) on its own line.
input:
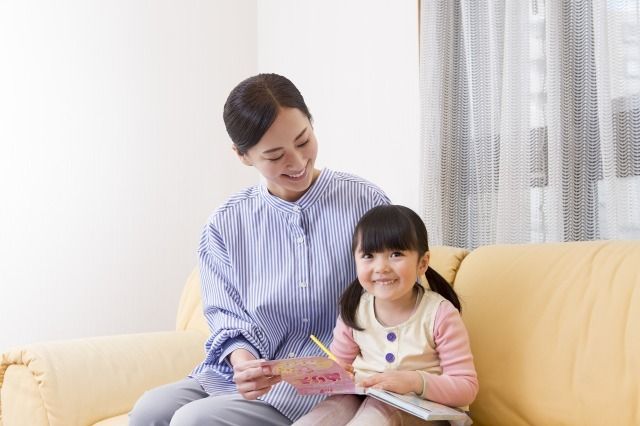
(438, 284)
(349, 302)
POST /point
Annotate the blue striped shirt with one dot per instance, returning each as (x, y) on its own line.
(272, 272)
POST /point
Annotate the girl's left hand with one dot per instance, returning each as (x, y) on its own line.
(395, 381)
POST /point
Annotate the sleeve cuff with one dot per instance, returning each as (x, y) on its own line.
(233, 344)
(423, 376)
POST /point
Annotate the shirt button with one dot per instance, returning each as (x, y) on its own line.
(303, 284)
(296, 208)
(300, 240)
(391, 336)
(292, 355)
(305, 319)
(390, 357)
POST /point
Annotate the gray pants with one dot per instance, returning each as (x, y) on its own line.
(185, 403)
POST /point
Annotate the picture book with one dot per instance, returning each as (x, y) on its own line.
(425, 409)
(320, 375)
(313, 375)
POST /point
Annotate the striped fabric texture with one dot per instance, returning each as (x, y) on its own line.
(272, 272)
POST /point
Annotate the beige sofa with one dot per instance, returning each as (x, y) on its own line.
(555, 331)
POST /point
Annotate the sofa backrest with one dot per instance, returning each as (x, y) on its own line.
(555, 332)
(190, 315)
(445, 260)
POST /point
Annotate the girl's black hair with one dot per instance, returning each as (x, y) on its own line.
(390, 227)
(253, 105)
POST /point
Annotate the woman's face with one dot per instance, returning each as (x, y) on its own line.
(286, 155)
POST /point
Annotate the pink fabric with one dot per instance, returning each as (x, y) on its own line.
(343, 346)
(335, 410)
(457, 386)
(354, 410)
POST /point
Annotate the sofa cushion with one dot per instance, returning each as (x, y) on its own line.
(446, 261)
(555, 332)
(27, 399)
(83, 381)
(122, 420)
(190, 316)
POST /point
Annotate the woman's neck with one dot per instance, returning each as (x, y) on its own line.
(391, 313)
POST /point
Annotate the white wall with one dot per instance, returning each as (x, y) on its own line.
(112, 154)
(113, 151)
(356, 63)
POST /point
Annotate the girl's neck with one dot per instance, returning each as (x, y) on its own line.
(391, 313)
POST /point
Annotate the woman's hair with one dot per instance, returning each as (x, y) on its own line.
(253, 105)
(390, 227)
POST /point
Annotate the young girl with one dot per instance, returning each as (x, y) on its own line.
(398, 335)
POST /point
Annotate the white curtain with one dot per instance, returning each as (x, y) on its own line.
(531, 120)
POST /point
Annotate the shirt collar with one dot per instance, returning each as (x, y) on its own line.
(313, 194)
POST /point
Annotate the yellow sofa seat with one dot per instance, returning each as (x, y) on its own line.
(555, 331)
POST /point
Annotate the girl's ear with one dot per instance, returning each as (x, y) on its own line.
(243, 157)
(423, 263)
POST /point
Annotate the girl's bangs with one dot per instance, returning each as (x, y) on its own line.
(377, 233)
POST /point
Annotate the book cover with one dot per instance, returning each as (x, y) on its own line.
(319, 375)
(313, 375)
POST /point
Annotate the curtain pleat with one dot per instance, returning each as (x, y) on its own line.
(530, 127)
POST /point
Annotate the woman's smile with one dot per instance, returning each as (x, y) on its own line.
(296, 176)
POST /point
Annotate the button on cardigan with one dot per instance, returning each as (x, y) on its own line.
(272, 272)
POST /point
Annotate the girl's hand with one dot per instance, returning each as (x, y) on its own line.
(251, 378)
(395, 381)
(347, 367)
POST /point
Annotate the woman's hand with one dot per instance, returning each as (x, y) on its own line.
(251, 378)
(395, 381)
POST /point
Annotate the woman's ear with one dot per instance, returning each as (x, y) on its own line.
(423, 263)
(243, 157)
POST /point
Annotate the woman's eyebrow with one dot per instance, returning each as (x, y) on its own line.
(268, 151)
(300, 134)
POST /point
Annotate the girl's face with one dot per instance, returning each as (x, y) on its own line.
(390, 275)
(286, 155)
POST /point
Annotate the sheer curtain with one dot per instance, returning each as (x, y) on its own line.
(531, 120)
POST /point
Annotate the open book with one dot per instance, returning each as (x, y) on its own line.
(319, 375)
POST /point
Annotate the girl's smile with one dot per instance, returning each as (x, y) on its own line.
(385, 282)
(390, 276)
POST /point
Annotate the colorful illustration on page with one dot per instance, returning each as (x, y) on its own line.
(313, 375)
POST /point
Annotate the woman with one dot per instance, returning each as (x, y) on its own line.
(274, 260)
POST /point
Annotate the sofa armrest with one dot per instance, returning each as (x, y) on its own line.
(80, 382)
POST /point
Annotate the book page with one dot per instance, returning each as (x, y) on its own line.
(425, 409)
(313, 375)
